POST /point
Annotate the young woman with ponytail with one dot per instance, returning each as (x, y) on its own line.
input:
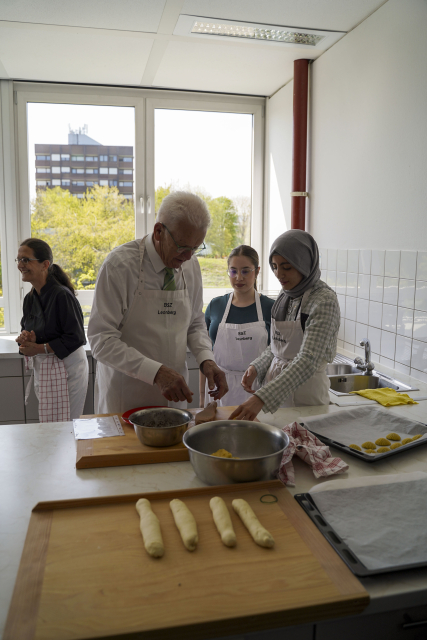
(238, 325)
(52, 335)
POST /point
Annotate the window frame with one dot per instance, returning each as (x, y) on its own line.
(14, 170)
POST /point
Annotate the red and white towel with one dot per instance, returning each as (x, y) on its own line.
(52, 378)
(310, 449)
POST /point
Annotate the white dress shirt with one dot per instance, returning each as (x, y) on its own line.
(115, 289)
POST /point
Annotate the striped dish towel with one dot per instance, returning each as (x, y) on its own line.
(309, 448)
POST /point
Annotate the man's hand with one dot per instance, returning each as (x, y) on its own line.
(248, 378)
(217, 382)
(172, 385)
(26, 336)
(248, 410)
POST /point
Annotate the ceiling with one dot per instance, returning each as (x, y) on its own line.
(132, 42)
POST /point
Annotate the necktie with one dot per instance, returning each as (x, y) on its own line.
(169, 281)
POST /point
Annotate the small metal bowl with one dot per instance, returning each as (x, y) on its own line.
(258, 446)
(160, 427)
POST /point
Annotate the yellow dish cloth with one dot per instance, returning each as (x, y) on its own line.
(387, 397)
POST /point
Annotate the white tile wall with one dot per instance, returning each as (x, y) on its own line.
(382, 296)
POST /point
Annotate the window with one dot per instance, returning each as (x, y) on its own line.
(128, 197)
(125, 184)
(91, 158)
(127, 172)
(56, 183)
(56, 157)
(126, 159)
(65, 183)
(91, 170)
(113, 183)
(80, 195)
(56, 169)
(103, 170)
(113, 158)
(103, 158)
(78, 158)
(103, 183)
(112, 171)
(43, 169)
(43, 183)
(65, 156)
(42, 157)
(65, 169)
(91, 184)
(78, 183)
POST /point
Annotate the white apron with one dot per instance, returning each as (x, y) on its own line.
(156, 325)
(236, 346)
(286, 341)
(60, 385)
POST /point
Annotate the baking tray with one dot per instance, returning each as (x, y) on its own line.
(84, 572)
(346, 554)
(361, 455)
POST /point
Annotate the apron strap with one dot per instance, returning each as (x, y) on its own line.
(258, 307)
(227, 310)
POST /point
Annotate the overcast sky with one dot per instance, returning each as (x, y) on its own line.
(207, 150)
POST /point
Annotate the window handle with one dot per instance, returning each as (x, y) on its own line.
(141, 201)
(149, 205)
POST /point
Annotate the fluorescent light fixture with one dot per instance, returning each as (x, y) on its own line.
(203, 27)
(255, 33)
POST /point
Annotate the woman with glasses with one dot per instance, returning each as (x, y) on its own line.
(52, 335)
(147, 308)
(305, 320)
(238, 325)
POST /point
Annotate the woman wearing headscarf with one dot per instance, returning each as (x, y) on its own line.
(304, 327)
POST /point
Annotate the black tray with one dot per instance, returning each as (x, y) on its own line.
(346, 554)
(366, 457)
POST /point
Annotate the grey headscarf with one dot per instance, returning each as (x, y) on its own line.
(299, 248)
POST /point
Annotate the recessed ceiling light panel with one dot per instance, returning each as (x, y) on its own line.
(237, 31)
(198, 27)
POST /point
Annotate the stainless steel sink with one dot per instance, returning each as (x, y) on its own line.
(338, 368)
(345, 377)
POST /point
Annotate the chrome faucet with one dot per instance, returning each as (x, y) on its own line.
(366, 366)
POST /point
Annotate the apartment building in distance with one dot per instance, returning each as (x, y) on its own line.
(83, 163)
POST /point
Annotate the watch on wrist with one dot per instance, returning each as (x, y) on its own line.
(45, 348)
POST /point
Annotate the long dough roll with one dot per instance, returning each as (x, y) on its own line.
(260, 535)
(150, 529)
(222, 521)
(185, 523)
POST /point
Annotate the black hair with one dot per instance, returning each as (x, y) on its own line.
(42, 252)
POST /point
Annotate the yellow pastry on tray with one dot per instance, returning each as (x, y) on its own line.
(355, 446)
(416, 437)
(370, 451)
(406, 440)
(394, 436)
(396, 445)
(369, 445)
(383, 449)
(382, 442)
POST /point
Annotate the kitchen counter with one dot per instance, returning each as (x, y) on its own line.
(37, 463)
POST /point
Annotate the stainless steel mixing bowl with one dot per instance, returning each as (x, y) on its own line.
(160, 427)
(258, 446)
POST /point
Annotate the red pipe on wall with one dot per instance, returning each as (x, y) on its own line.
(299, 155)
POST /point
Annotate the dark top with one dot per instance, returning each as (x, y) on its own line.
(56, 317)
(237, 315)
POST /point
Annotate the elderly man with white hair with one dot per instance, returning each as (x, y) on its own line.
(147, 308)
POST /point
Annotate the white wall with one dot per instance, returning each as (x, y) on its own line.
(368, 186)
(278, 171)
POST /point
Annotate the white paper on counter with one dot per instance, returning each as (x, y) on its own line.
(383, 520)
(358, 425)
(90, 428)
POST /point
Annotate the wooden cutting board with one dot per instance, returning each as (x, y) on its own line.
(84, 572)
(127, 449)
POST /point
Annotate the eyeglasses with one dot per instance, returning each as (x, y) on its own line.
(180, 249)
(25, 260)
(233, 273)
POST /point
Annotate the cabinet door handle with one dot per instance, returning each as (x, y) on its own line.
(410, 624)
